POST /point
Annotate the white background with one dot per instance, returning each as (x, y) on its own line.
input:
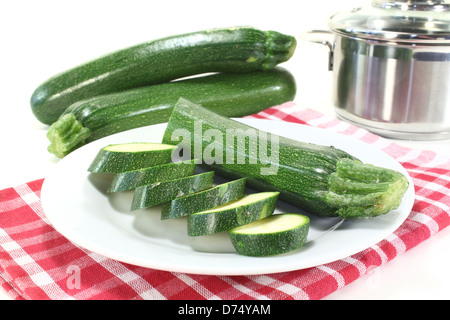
(42, 38)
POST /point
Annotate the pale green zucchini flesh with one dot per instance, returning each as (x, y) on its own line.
(131, 156)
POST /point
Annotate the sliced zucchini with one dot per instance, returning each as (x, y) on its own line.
(204, 200)
(133, 179)
(124, 157)
(236, 213)
(279, 233)
(165, 191)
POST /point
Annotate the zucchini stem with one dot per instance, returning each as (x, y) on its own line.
(279, 48)
(66, 135)
(364, 190)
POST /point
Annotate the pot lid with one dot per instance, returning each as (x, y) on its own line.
(402, 21)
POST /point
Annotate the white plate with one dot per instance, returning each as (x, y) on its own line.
(77, 206)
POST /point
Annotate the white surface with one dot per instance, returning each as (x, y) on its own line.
(42, 38)
(76, 204)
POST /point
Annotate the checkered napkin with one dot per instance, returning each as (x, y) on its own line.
(36, 262)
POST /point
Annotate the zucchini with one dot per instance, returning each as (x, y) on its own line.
(165, 191)
(204, 200)
(276, 234)
(231, 95)
(231, 50)
(123, 157)
(133, 179)
(233, 214)
(307, 175)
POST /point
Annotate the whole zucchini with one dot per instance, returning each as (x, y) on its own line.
(319, 179)
(235, 50)
(231, 95)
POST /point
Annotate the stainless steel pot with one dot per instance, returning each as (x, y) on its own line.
(391, 67)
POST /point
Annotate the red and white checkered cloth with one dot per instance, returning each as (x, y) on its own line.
(36, 262)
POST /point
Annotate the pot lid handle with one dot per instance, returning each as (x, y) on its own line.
(415, 5)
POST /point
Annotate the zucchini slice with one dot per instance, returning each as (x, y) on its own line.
(124, 157)
(204, 200)
(165, 191)
(133, 179)
(276, 234)
(236, 213)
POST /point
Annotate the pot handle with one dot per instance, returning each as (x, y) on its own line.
(312, 36)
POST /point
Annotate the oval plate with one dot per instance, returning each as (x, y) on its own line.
(76, 204)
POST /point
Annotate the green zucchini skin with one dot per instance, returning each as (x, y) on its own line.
(165, 191)
(204, 200)
(109, 161)
(230, 95)
(301, 172)
(288, 235)
(232, 50)
(225, 218)
(133, 179)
